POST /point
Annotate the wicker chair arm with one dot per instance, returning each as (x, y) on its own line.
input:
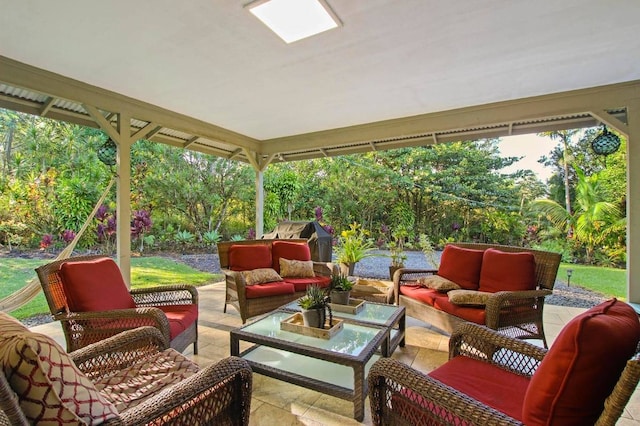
(408, 276)
(427, 397)
(176, 294)
(119, 351)
(500, 304)
(129, 318)
(201, 398)
(485, 344)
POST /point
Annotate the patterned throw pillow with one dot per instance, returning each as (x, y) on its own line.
(260, 276)
(438, 283)
(468, 297)
(49, 386)
(296, 268)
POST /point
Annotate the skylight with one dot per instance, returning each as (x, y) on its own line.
(293, 20)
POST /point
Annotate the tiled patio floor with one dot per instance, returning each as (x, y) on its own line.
(276, 402)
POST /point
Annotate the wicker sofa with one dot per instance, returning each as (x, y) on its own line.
(586, 378)
(241, 261)
(501, 287)
(132, 378)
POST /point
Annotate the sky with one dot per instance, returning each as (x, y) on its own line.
(532, 147)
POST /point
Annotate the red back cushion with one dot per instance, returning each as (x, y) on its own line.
(462, 266)
(289, 250)
(503, 271)
(251, 256)
(95, 285)
(582, 366)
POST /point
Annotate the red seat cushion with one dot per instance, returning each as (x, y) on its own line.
(503, 271)
(493, 386)
(476, 314)
(94, 285)
(419, 293)
(249, 256)
(180, 317)
(277, 288)
(582, 366)
(289, 250)
(301, 284)
(462, 266)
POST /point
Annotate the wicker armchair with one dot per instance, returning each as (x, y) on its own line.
(515, 313)
(83, 328)
(219, 394)
(401, 395)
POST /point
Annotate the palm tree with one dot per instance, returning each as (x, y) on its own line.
(593, 219)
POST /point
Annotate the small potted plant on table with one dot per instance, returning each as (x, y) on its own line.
(340, 289)
(313, 305)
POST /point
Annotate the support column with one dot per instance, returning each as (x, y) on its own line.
(633, 202)
(259, 203)
(123, 197)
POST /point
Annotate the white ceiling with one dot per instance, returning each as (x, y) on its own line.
(212, 60)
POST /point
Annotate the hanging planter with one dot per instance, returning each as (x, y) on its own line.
(107, 152)
(605, 143)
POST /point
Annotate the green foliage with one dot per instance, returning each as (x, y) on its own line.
(339, 282)
(236, 237)
(211, 238)
(184, 237)
(354, 244)
(315, 298)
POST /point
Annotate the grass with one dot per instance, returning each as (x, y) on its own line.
(607, 281)
(15, 273)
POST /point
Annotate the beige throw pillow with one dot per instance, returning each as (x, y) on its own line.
(468, 297)
(438, 283)
(296, 268)
(260, 276)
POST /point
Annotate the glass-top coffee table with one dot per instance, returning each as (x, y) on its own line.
(336, 367)
(380, 314)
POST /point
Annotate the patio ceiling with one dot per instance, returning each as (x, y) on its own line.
(208, 76)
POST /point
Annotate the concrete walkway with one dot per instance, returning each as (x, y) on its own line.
(276, 402)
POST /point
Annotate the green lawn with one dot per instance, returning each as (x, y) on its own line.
(145, 272)
(607, 281)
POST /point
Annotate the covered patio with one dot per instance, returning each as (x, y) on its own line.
(207, 76)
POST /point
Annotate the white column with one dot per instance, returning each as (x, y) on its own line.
(633, 202)
(123, 198)
(259, 203)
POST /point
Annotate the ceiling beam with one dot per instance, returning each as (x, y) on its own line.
(539, 107)
(55, 85)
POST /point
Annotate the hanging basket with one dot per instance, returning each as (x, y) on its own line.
(107, 152)
(605, 143)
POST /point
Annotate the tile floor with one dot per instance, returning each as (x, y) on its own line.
(277, 402)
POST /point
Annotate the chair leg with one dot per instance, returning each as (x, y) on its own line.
(224, 310)
(195, 347)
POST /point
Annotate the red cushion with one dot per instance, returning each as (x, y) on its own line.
(468, 313)
(250, 256)
(582, 366)
(289, 250)
(419, 293)
(493, 386)
(507, 271)
(277, 288)
(180, 317)
(94, 285)
(461, 265)
(301, 284)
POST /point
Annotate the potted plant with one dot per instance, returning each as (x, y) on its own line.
(313, 305)
(354, 245)
(340, 289)
(396, 250)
